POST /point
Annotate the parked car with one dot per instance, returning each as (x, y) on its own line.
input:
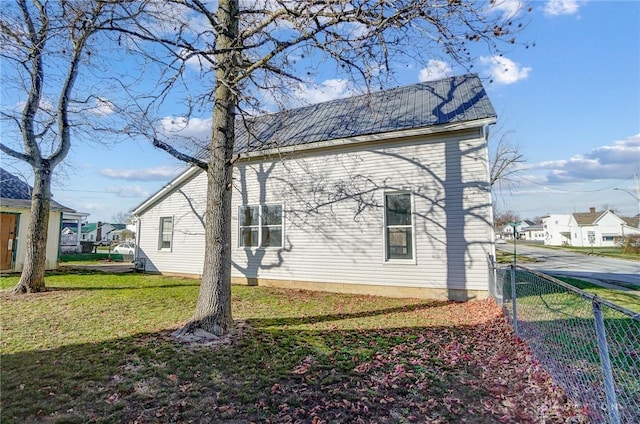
(501, 241)
(125, 248)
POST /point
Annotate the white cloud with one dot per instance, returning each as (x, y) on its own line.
(127, 191)
(509, 8)
(103, 107)
(189, 128)
(503, 70)
(328, 90)
(561, 7)
(159, 173)
(618, 160)
(435, 70)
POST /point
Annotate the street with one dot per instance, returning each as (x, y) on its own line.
(558, 262)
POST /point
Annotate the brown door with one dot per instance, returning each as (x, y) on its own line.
(7, 239)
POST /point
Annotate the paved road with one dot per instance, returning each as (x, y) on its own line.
(558, 262)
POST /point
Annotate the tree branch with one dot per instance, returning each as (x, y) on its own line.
(179, 155)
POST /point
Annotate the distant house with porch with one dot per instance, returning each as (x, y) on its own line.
(15, 213)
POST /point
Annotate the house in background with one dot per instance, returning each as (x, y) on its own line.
(515, 229)
(533, 233)
(102, 232)
(72, 231)
(557, 230)
(385, 194)
(589, 229)
(600, 229)
(15, 213)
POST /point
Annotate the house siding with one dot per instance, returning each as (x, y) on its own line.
(334, 219)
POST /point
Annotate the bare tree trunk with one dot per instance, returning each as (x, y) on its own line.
(213, 310)
(32, 278)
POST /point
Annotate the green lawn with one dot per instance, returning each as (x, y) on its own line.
(623, 298)
(97, 348)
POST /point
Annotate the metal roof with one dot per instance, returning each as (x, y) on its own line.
(452, 100)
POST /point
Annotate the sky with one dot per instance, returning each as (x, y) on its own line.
(571, 104)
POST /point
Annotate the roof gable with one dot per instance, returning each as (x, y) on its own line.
(587, 218)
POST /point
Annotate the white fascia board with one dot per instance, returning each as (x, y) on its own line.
(160, 194)
(480, 123)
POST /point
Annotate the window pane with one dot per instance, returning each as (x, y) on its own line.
(249, 237)
(399, 243)
(398, 209)
(272, 236)
(249, 215)
(166, 225)
(272, 215)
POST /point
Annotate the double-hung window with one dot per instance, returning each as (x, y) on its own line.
(398, 231)
(165, 236)
(260, 226)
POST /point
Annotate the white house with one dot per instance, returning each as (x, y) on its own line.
(384, 194)
(600, 229)
(557, 230)
(533, 233)
(15, 213)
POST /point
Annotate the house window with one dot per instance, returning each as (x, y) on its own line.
(398, 226)
(165, 238)
(607, 238)
(260, 226)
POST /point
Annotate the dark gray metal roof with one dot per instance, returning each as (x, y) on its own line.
(16, 193)
(451, 100)
(12, 187)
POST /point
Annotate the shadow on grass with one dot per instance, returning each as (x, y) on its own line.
(273, 376)
(279, 322)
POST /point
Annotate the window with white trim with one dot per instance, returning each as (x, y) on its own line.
(165, 236)
(398, 223)
(260, 226)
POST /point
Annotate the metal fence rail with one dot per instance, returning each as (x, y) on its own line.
(590, 346)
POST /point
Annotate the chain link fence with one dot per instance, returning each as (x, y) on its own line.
(589, 345)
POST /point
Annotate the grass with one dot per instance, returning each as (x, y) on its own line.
(504, 257)
(623, 298)
(97, 348)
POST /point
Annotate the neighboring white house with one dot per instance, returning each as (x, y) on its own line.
(557, 230)
(533, 233)
(381, 194)
(15, 213)
(599, 229)
(102, 232)
(515, 228)
(588, 229)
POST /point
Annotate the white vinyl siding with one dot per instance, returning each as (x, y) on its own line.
(333, 215)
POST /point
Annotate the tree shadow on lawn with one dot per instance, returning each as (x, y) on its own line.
(418, 374)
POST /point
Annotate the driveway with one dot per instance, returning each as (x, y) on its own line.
(558, 262)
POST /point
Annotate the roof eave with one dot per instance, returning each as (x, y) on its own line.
(160, 194)
(413, 132)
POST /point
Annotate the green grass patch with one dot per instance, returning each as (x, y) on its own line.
(97, 348)
(623, 298)
(504, 257)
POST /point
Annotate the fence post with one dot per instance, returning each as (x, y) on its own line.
(514, 300)
(607, 373)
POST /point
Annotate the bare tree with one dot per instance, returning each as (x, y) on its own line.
(258, 48)
(46, 45)
(505, 162)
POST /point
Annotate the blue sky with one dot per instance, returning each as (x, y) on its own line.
(571, 103)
